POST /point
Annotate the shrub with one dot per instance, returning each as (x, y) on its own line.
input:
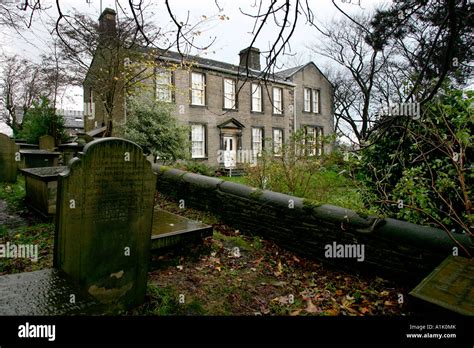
(41, 119)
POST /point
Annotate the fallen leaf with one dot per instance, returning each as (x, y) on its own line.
(281, 299)
(310, 307)
(280, 270)
(179, 267)
(364, 310)
(295, 313)
(389, 303)
(331, 312)
(339, 292)
(384, 293)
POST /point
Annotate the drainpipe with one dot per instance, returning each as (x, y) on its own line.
(294, 114)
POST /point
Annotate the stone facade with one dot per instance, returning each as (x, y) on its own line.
(308, 76)
(224, 128)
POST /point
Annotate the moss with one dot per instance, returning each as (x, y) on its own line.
(256, 194)
(310, 204)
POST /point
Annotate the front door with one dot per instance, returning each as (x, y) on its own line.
(230, 151)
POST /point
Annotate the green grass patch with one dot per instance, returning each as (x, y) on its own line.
(13, 194)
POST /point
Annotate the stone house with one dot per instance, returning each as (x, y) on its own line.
(232, 111)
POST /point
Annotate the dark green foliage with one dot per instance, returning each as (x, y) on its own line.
(427, 164)
(151, 125)
(198, 168)
(41, 119)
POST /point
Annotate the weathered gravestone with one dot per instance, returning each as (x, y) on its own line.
(9, 158)
(104, 220)
(450, 285)
(46, 142)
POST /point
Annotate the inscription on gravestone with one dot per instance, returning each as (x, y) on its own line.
(450, 285)
(9, 158)
(104, 220)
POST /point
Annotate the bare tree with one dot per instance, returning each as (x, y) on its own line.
(354, 82)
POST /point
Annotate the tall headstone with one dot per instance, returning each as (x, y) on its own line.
(104, 221)
(46, 142)
(9, 158)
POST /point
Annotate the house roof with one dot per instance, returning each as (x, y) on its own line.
(220, 66)
(72, 118)
(288, 73)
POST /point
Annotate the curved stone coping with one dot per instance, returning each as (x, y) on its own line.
(391, 229)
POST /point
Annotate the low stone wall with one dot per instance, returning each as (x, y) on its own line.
(392, 248)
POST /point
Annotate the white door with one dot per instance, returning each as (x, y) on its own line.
(230, 151)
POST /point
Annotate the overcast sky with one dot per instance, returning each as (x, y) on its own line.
(231, 35)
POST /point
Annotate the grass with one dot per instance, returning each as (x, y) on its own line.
(13, 194)
(328, 187)
(40, 234)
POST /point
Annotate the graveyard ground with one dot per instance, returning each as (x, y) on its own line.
(263, 280)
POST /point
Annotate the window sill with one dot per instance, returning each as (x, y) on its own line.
(278, 115)
(197, 106)
(257, 112)
(199, 158)
(231, 110)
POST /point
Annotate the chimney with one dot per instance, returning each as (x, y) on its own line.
(107, 25)
(250, 57)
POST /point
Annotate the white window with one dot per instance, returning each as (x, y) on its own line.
(256, 97)
(277, 100)
(311, 140)
(229, 94)
(315, 101)
(164, 83)
(307, 100)
(320, 140)
(277, 141)
(314, 141)
(257, 142)
(198, 140)
(198, 89)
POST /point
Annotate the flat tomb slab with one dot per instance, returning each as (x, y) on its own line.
(450, 285)
(44, 292)
(170, 229)
(41, 188)
(44, 173)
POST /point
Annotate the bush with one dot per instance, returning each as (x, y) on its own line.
(421, 170)
(41, 119)
(151, 125)
(198, 168)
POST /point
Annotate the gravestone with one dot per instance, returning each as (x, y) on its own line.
(450, 286)
(9, 158)
(104, 220)
(46, 142)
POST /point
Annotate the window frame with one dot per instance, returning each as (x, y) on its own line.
(168, 86)
(274, 108)
(273, 140)
(318, 93)
(204, 140)
(234, 107)
(203, 90)
(307, 101)
(262, 141)
(260, 89)
(318, 141)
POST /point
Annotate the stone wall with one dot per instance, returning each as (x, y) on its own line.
(393, 249)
